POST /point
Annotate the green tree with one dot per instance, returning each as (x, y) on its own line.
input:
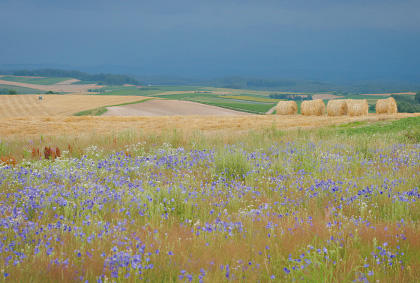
(12, 91)
(417, 97)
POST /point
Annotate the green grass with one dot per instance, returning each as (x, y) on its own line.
(252, 98)
(407, 127)
(37, 81)
(22, 90)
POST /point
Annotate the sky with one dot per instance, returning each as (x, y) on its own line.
(266, 38)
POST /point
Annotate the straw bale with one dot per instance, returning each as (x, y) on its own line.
(313, 107)
(286, 108)
(337, 107)
(386, 106)
(357, 107)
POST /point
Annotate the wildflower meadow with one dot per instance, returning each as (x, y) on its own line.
(318, 205)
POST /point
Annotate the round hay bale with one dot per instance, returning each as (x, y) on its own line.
(337, 107)
(286, 108)
(313, 107)
(357, 107)
(386, 106)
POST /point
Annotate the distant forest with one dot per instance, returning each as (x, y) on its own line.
(290, 96)
(106, 79)
(408, 104)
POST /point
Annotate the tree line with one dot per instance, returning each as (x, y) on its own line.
(107, 79)
(7, 91)
(290, 96)
(408, 104)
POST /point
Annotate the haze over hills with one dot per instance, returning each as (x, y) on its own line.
(298, 81)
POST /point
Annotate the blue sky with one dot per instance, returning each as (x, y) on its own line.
(216, 38)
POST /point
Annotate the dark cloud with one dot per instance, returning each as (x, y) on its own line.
(231, 35)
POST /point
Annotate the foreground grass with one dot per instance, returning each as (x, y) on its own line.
(321, 205)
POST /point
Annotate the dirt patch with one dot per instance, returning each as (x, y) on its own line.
(325, 96)
(169, 108)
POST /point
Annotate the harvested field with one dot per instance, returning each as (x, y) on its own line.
(56, 105)
(59, 87)
(68, 82)
(79, 126)
(169, 108)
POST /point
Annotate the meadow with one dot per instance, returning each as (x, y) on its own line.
(146, 200)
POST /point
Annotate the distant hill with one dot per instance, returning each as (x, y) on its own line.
(106, 79)
(288, 85)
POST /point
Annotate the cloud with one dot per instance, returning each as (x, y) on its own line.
(162, 15)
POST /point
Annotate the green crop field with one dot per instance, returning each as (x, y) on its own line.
(22, 90)
(252, 98)
(37, 81)
(128, 90)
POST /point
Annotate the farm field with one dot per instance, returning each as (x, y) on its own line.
(56, 105)
(20, 90)
(36, 80)
(244, 100)
(226, 125)
(67, 86)
(210, 199)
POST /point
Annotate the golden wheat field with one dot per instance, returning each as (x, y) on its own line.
(77, 126)
(57, 105)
